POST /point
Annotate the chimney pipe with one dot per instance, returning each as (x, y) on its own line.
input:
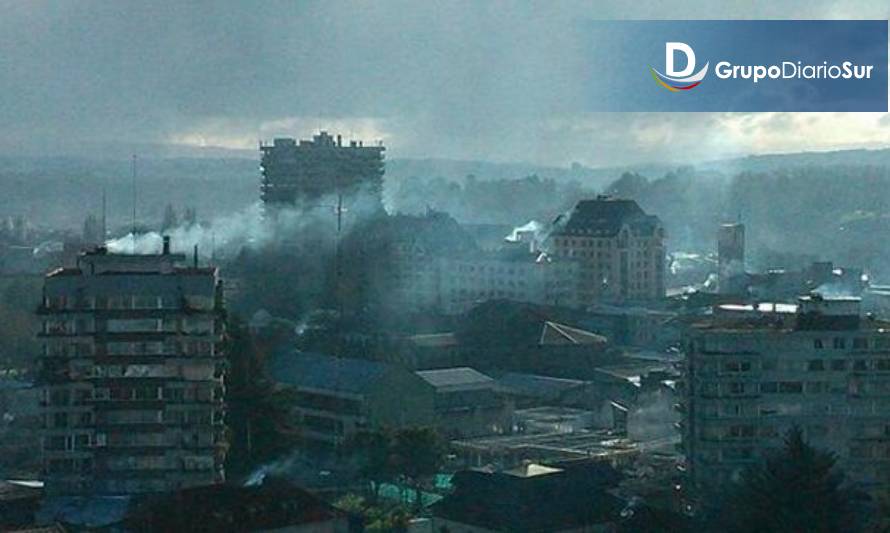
(166, 245)
(195, 256)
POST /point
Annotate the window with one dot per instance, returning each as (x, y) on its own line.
(840, 343)
(769, 387)
(768, 364)
(736, 388)
(860, 343)
(741, 431)
(816, 387)
(816, 365)
(882, 364)
(791, 387)
(817, 344)
(860, 365)
(838, 364)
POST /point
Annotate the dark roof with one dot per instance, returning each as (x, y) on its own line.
(274, 504)
(553, 501)
(309, 370)
(537, 386)
(604, 217)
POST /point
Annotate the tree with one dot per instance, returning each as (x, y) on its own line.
(370, 453)
(796, 489)
(259, 414)
(417, 453)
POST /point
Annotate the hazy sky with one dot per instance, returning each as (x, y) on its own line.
(480, 80)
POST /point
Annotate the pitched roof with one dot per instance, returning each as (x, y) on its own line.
(604, 216)
(315, 371)
(554, 334)
(455, 378)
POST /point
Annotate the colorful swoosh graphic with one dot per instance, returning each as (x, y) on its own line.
(690, 82)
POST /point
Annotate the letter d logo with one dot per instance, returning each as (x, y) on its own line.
(681, 80)
(669, 51)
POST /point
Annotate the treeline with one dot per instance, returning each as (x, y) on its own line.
(482, 201)
(792, 215)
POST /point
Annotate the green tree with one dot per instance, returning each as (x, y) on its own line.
(417, 456)
(796, 489)
(370, 452)
(259, 415)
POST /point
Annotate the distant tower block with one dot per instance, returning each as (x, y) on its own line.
(302, 173)
(731, 258)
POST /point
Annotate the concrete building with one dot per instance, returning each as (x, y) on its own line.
(337, 397)
(514, 273)
(753, 372)
(468, 403)
(296, 173)
(731, 259)
(132, 367)
(621, 250)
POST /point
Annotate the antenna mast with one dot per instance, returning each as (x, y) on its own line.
(133, 231)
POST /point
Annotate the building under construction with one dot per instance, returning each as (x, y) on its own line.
(302, 173)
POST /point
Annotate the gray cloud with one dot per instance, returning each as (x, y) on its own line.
(491, 80)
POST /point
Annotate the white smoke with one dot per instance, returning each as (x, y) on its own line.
(226, 235)
(280, 468)
(533, 226)
(243, 228)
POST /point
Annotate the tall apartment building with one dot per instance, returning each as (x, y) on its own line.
(132, 368)
(755, 371)
(620, 249)
(302, 173)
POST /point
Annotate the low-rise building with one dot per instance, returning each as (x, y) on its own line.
(531, 497)
(337, 397)
(468, 403)
(753, 372)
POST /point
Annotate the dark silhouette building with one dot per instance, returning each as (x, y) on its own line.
(301, 173)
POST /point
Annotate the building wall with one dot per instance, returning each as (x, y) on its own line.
(626, 267)
(453, 285)
(132, 370)
(328, 417)
(744, 388)
(294, 173)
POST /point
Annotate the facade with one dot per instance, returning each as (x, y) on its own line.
(516, 274)
(337, 397)
(132, 368)
(620, 249)
(295, 173)
(468, 403)
(753, 372)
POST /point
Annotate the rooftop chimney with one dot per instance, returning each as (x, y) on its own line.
(166, 245)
